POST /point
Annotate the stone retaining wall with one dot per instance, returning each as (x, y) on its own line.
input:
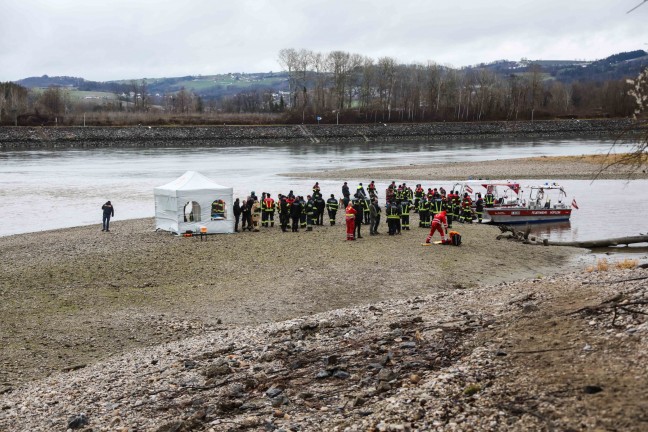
(17, 138)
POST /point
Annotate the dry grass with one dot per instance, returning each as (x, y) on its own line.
(627, 264)
(603, 265)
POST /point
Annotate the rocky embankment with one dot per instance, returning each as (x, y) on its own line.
(557, 353)
(87, 137)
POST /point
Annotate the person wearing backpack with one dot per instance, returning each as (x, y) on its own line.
(439, 223)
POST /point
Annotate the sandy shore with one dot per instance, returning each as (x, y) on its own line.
(559, 167)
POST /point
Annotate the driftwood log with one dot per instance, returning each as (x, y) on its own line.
(509, 233)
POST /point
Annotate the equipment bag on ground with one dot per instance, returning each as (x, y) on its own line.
(455, 238)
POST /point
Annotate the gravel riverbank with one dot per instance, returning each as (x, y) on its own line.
(20, 138)
(547, 353)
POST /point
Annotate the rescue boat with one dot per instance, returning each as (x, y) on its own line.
(546, 203)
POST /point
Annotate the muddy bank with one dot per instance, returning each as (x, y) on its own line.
(16, 138)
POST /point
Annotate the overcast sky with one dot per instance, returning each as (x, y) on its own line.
(127, 39)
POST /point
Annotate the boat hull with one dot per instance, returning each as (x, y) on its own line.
(519, 215)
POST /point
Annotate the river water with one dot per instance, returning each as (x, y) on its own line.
(48, 189)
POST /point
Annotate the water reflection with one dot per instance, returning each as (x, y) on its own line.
(553, 229)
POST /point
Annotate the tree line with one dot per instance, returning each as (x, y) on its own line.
(341, 87)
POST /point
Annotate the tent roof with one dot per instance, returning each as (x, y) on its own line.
(191, 180)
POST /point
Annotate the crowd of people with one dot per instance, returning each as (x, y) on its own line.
(436, 208)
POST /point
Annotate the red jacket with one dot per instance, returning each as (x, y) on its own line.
(350, 212)
(441, 218)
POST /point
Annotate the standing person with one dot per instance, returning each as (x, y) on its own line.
(303, 222)
(372, 190)
(311, 213)
(320, 205)
(284, 213)
(357, 205)
(418, 194)
(376, 208)
(237, 214)
(350, 215)
(372, 218)
(365, 208)
(249, 203)
(466, 209)
(108, 212)
(440, 223)
(489, 198)
(244, 215)
(393, 217)
(295, 214)
(405, 214)
(479, 207)
(424, 212)
(360, 192)
(332, 206)
(346, 194)
(268, 211)
(256, 214)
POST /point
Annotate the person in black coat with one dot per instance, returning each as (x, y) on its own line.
(237, 214)
(359, 217)
(108, 212)
(295, 214)
(284, 213)
(246, 214)
(346, 193)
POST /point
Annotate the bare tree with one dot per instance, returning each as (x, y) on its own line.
(386, 82)
(52, 100)
(288, 59)
(13, 101)
(639, 91)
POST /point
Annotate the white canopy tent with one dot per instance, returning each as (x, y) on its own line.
(193, 201)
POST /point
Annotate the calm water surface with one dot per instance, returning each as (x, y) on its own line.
(45, 189)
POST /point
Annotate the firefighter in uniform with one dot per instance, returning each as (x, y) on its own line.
(418, 194)
(424, 213)
(303, 217)
(489, 199)
(436, 204)
(466, 209)
(393, 217)
(371, 189)
(332, 206)
(295, 213)
(268, 207)
(405, 208)
(365, 210)
(218, 209)
(320, 205)
(311, 213)
(479, 207)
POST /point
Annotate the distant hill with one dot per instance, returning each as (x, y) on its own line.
(615, 67)
(208, 87)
